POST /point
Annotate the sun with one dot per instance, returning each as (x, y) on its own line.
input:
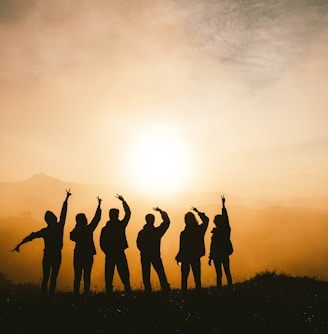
(159, 160)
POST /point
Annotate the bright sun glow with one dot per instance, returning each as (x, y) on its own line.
(159, 160)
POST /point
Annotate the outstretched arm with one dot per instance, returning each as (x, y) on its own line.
(29, 238)
(126, 210)
(64, 208)
(96, 219)
(166, 220)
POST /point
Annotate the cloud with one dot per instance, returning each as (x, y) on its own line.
(257, 39)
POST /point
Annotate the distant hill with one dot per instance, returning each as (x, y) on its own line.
(42, 192)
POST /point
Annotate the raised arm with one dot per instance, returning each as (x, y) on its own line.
(126, 208)
(96, 219)
(63, 212)
(203, 218)
(224, 211)
(166, 220)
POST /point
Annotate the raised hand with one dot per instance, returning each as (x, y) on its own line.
(16, 249)
(99, 200)
(157, 209)
(68, 193)
(194, 209)
(223, 199)
(120, 197)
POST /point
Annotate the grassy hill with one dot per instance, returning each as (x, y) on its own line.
(267, 303)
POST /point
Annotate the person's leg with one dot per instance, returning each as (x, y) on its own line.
(195, 265)
(54, 273)
(46, 275)
(218, 269)
(145, 266)
(109, 273)
(77, 274)
(185, 268)
(159, 268)
(226, 266)
(123, 271)
(87, 273)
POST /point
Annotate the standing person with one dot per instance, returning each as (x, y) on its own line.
(53, 244)
(85, 248)
(192, 248)
(221, 246)
(149, 244)
(113, 243)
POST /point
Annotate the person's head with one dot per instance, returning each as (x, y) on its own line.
(218, 220)
(81, 219)
(190, 220)
(113, 214)
(50, 218)
(150, 219)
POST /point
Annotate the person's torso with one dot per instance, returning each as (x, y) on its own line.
(84, 241)
(114, 236)
(150, 241)
(53, 238)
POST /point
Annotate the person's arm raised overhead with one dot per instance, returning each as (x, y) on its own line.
(224, 211)
(96, 219)
(126, 209)
(203, 218)
(63, 212)
(166, 220)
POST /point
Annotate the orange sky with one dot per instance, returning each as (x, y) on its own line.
(243, 87)
(157, 98)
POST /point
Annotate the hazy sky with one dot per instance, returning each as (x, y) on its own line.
(225, 95)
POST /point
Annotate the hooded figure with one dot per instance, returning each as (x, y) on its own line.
(53, 243)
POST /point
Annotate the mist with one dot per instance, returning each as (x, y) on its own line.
(285, 239)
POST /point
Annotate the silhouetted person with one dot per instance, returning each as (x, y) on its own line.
(113, 242)
(85, 248)
(221, 246)
(53, 244)
(192, 248)
(149, 244)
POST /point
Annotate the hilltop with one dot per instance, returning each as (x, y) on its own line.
(267, 303)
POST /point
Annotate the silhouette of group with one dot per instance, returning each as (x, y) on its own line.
(113, 243)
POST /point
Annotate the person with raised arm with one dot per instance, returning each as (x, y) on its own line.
(192, 247)
(85, 249)
(53, 244)
(149, 244)
(221, 247)
(113, 243)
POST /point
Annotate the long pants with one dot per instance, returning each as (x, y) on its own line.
(82, 265)
(194, 264)
(119, 260)
(50, 266)
(146, 262)
(218, 263)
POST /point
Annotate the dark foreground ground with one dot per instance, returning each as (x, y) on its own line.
(268, 303)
